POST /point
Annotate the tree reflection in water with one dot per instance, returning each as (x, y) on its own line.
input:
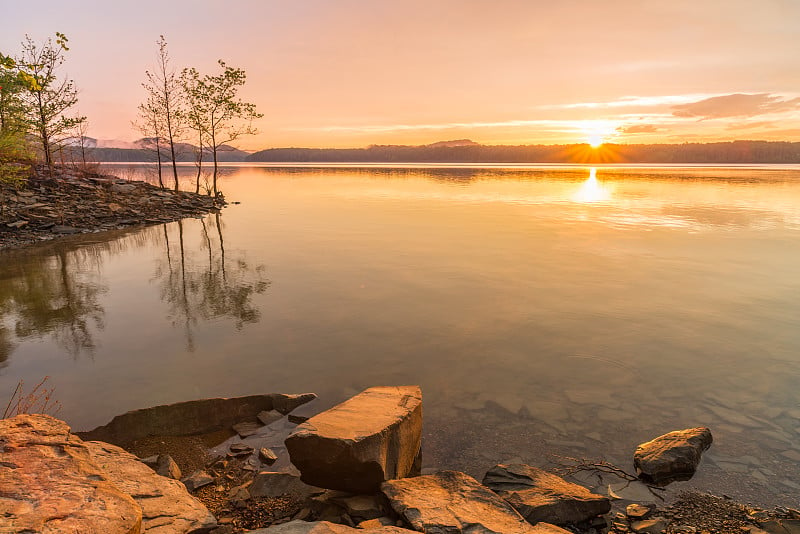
(56, 290)
(215, 286)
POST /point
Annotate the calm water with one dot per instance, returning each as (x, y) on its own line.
(549, 310)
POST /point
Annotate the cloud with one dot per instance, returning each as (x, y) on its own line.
(735, 105)
(750, 125)
(638, 128)
(542, 125)
(631, 101)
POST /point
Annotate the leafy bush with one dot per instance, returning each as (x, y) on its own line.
(16, 160)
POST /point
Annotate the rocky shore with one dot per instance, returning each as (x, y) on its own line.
(76, 202)
(279, 464)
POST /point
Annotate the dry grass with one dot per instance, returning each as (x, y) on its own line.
(38, 400)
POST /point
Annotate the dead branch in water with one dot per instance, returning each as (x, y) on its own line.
(570, 466)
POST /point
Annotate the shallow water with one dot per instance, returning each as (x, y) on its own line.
(544, 310)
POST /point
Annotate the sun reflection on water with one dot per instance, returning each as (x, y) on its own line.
(591, 190)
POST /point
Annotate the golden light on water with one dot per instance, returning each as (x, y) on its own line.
(591, 190)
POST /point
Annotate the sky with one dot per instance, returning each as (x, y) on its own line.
(351, 73)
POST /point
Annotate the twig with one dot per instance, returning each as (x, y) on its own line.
(11, 400)
(39, 400)
(578, 465)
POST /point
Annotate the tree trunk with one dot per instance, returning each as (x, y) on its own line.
(199, 166)
(158, 159)
(214, 152)
(48, 158)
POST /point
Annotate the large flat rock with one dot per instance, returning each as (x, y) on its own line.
(49, 482)
(192, 417)
(541, 496)
(324, 527)
(52, 481)
(452, 502)
(167, 508)
(372, 437)
(673, 456)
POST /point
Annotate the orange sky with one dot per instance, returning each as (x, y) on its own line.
(343, 73)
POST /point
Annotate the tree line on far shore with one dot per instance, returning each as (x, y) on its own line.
(731, 152)
(38, 121)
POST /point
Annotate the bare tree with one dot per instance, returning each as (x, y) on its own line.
(195, 113)
(165, 98)
(221, 115)
(151, 127)
(81, 140)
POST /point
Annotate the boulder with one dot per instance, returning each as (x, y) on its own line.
(453, 502)
(372, 437)
(541, 496)
(673, 456)
(48, 478)
(52, 480)
(324, 527)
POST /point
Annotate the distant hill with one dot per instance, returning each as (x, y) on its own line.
(457, 142)
(143, 150)
(465, 151)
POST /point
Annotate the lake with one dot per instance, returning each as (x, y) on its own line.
(548, 310)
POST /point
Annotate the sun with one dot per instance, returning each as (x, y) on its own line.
(597, 132)
(595, 139)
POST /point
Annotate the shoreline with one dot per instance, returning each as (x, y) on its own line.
(75, 202)
(238, 476)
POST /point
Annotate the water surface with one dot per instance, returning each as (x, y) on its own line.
(544, 310)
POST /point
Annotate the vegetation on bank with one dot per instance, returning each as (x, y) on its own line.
(192, 106)
(38, 123)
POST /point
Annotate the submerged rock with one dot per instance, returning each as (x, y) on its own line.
(452, 502)
(673, 456)
(191, 417)
(284, 403)
(372, 437)
(197, 480)
(268, 417)
(542, 496)
(276, 484)
(246, 428)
